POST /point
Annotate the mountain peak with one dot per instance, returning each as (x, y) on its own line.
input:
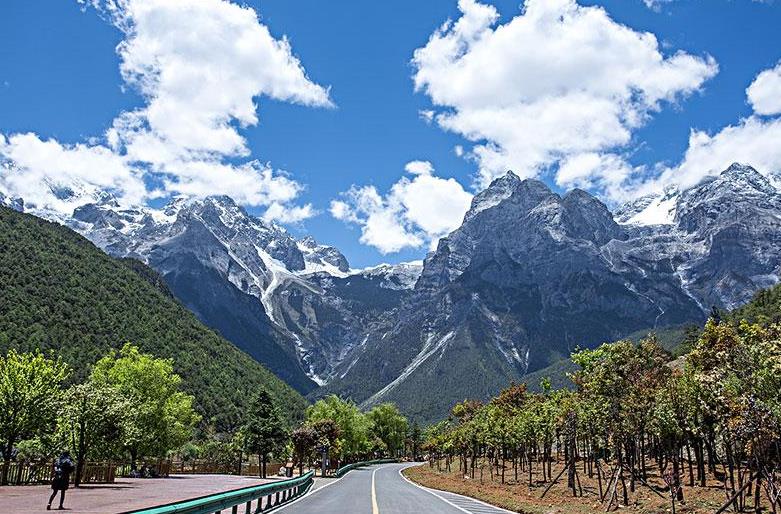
(325, 258)
(746, 175)
(499, 189)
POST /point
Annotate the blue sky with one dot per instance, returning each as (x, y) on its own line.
(60, 78)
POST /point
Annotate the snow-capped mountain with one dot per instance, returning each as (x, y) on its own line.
(529, 276)
(14, 203)
(243, 276)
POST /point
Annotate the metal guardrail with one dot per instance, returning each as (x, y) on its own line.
(273, 494)
(344, 469)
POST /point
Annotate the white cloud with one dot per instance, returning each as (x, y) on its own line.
(42, 167)
(413, 213)
(656, 5)
(419, 168)
(753, 141)
(764, 94)
(288, 214)
(200, 66)
(606, 173)
(557, 81)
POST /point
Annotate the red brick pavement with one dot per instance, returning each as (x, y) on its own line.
(125, 494)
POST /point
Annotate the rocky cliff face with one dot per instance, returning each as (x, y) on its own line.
(294, 305)
(220, 262)
(529, 276)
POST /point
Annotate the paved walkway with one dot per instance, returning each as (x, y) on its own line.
(125, 494)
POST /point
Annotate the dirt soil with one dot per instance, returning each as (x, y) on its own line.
(518, 497)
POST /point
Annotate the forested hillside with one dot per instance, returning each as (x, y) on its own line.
(764, 308)
(60, 293)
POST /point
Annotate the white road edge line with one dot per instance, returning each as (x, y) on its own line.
(375, 508)
(429, 490)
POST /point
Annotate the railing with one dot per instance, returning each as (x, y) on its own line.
(41, 472)
(266, 497)
(344, 469)
(164, 468)
(253, 470)
(157, 469)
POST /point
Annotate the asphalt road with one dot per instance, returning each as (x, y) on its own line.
(381, 489)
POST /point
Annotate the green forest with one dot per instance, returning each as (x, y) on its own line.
(131, 409)
(65, 297)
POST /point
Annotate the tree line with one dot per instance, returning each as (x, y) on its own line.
(715, 416)
(131, 407)
(335, 432)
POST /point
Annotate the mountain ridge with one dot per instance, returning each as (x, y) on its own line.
(527, 277)
(63, 294)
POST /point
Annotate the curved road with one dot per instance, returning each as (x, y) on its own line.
(381, 489)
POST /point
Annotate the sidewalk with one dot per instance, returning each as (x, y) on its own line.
(125, 494)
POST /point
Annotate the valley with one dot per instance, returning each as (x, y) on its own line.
(529, 276)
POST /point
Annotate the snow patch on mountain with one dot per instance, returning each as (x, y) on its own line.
(432, 346)
(653, 209)
(395, 276)
(499, 190)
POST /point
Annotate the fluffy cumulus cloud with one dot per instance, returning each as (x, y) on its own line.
(200, 66)
(415, 212)
(752, 140)
(764, 94)
(44, 170)
(559, 85)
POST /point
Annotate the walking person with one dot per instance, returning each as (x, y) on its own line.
(63, 467)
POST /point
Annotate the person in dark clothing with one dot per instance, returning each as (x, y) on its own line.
(63, 467)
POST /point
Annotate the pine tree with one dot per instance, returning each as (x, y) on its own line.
(264, 429)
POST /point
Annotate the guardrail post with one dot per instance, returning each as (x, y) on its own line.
(268, 504)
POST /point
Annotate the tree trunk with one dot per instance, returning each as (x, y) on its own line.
(81, 453)
(9, 446)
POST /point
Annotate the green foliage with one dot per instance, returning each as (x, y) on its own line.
(388, 425)
(630, 404)
(29, 394)
(162, 417)
(347, 434)
(737, 369)
(764, 309)
(264, 429)
(353, 438)
(62, 294)
(95, 418)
